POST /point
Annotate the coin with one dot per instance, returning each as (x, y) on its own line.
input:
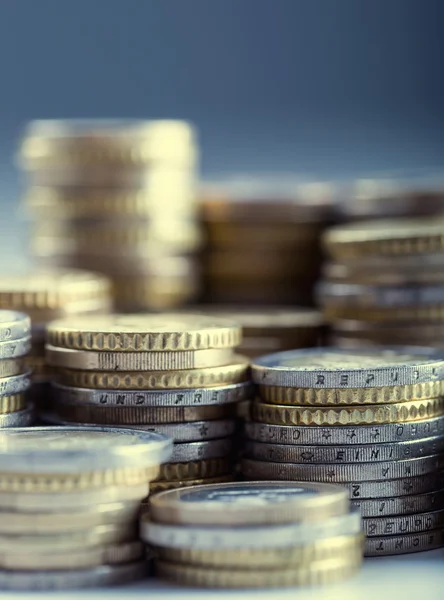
(135, 333)
(249, 503)
(12, 366)
(77, 578)
(363, 434)
(335, 368)
(236, 372)
(80, 559)
(317, 573)
(14, 325)
(413, 410)
(12, 404)
(404, 544)
(18, 418)
(271, 558)
(346, 472)
(198, 469)
(121, 415)
(342, 454)
(73, 450)
(161, 486)
(287, 535)
(194, 451)
(404, 505)
(15, 348)
(187, 397)
(396, 525)
(16, 384)
(137, 361)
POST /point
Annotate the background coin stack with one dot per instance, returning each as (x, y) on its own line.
(119, 198)
(370, 420)
(385, 284)
(171, 373)
(262, 534)
(263, 241)
(69, 500)
(15, 343)
(47, 295)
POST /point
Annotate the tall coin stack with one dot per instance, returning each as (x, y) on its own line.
(263, 242)
(47, 295)
(120, 198)
(69, 500)
(173, 374)
(15, 343)
(371, 420)
(261, 534)
(385, 284)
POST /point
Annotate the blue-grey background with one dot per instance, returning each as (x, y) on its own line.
(324, 88)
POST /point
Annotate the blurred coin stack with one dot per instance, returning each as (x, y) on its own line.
(263, 241)
(15, 344)
(371, 420)
(47, 295)
(174, 374)
(385, 284)
(261, 534)
(118, 198)
(69, 500)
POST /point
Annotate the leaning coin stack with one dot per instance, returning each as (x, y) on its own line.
(174, 374)
(385, 283)
(118, 197)
(69, 500)
(261, 534)
(263, 242)
(47, 295)
(372, 420)
(15, 343)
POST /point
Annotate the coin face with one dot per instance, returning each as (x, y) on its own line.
(245, 495)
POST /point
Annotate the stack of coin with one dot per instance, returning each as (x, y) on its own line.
(372, 420)
(263, 242)
(386, 284)
(175, 374)
(15, 343)
(119, 198)
(261, 534)
(47, 295)
(69, 504)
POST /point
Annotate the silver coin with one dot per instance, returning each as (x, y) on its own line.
(254, 536)
(193, 397)
(343, 454)
(20, 418)
(186, 452)
(15, 348)
(341, 368)
(398, 525)
(343, 473)
(194, 431)
(72, 579)
(74, 449)
(14, 325)
(404, 544)
(405, 505)
(16, 384)
(362, 434)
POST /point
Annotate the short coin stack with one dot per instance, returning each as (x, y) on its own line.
(264, 242)
(385, 283)
(175, 374)
(15, 343)
(69, 500)
(372, 420)
(261, 534)
(118, 197)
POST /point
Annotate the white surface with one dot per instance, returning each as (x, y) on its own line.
(410, 577)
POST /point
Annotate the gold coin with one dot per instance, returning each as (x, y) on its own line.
(13, 403)
(413, 410)
(49, 482)
(430, 313)
(135, 333)
(337, 396)
(316, 573)
(162, 486)
(266, 558)
(236, 372)
(13, 366)
(197, 469)
(142, 415)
